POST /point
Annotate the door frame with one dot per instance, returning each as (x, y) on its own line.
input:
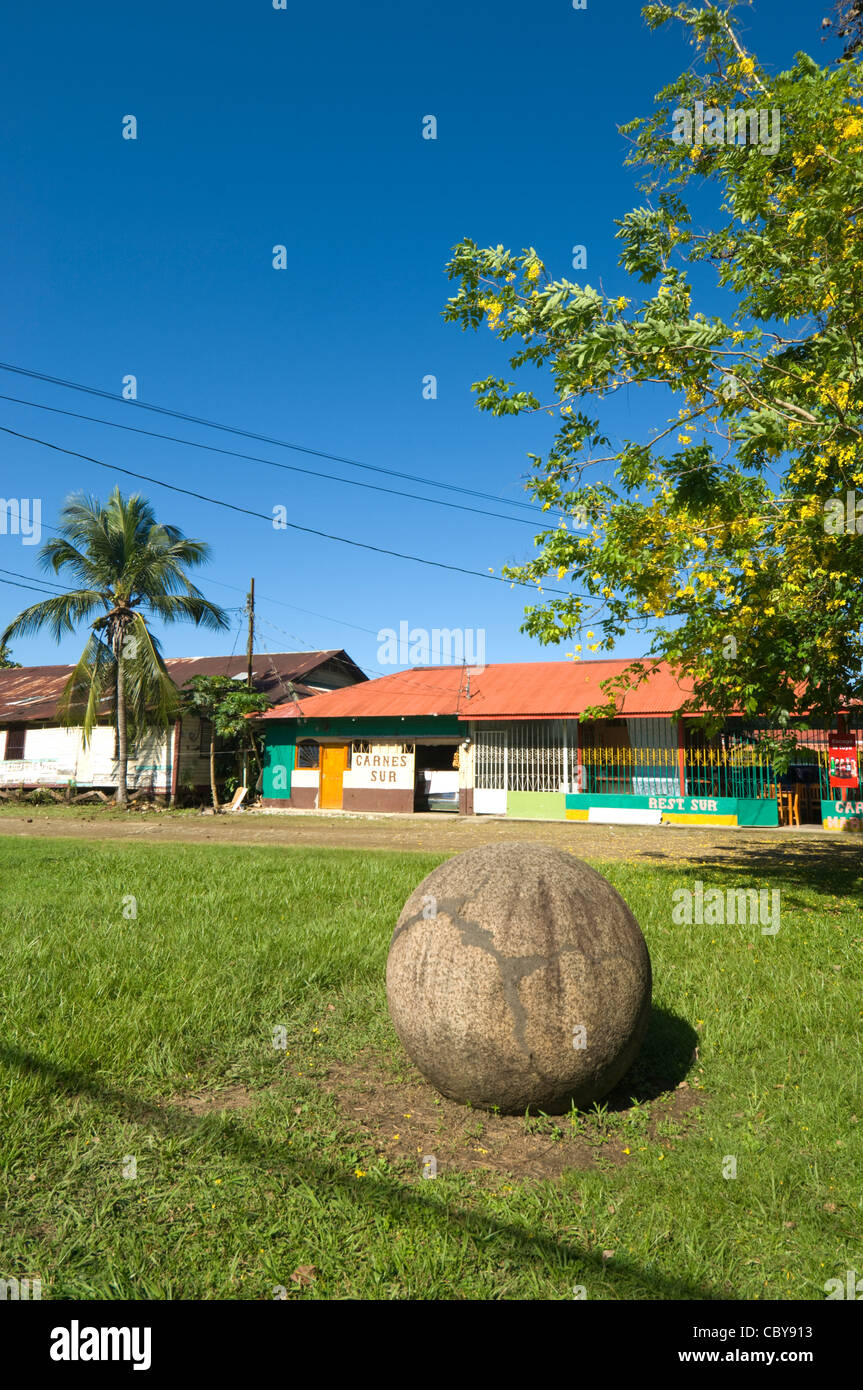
(328, 748)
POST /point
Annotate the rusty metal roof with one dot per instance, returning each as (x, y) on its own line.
(518, 690)
(31, 695)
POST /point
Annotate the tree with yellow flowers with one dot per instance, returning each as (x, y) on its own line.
(733, 535)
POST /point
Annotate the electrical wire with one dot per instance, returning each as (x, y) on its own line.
(419, 685)
(263, 438)
(46, 593)
(271, 463)
(262, 516)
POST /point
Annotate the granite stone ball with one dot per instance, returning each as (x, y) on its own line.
(518, 978)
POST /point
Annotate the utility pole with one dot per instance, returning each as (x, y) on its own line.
(250, 609)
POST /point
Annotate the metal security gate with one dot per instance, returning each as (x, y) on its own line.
(490, 772)
(537, 757)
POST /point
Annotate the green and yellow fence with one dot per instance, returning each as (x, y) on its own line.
(724, 772)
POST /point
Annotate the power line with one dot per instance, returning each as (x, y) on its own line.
(46, 593)
(420, 685)
(262, 516)
(222, 584)
(271, 463)
(260, 598)
(264, 598)
(266, 439)
(286, 683)
(48, 583)
(299, 637)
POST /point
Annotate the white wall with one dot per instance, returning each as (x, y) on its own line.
(56, 756)
(304, 777)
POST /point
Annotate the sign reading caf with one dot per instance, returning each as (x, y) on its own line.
(384, 767)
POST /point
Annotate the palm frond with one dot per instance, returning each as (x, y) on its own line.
(172, 608)
(60, 614)
(152, 699)
(90, 692)
(58, 555)
(130, 565)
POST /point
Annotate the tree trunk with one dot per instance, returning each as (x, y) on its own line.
(255, 754)
(213, 767)
(122, 748)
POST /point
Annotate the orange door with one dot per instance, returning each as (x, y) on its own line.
(334, 761)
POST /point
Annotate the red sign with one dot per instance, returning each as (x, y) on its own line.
(842, 751)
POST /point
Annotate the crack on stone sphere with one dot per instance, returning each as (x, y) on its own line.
(497, 1036)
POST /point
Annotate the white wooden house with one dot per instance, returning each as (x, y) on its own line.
(36, 750)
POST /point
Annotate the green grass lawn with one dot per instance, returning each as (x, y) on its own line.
(111, 1022)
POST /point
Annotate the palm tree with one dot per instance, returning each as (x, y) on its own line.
(129, 566)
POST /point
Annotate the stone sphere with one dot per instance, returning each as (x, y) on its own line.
(518, 978)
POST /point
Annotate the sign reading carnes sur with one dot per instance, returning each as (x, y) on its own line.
(385, 765)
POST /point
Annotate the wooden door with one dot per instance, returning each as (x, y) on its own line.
(334, 761)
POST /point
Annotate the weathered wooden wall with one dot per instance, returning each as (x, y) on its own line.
(55, 756)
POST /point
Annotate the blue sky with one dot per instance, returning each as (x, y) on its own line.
(302, 127)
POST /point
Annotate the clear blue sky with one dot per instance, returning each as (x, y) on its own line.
(303, 127)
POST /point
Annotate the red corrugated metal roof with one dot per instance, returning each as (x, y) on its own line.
(420, 691)
(31, 694)
(522, 690)
(558, 689)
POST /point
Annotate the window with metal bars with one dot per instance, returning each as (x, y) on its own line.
(15, 741)
(308, 755)
(529, 757)
(364, 745)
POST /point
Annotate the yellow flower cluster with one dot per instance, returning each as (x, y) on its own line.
(807, 163)
(848, 127)
(493, 309)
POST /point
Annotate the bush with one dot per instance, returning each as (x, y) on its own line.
(40, 796)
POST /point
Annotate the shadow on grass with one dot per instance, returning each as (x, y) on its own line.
(666, 1056)
(382, 1194)
(832, 867)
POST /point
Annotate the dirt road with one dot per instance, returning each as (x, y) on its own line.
(434, 834)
